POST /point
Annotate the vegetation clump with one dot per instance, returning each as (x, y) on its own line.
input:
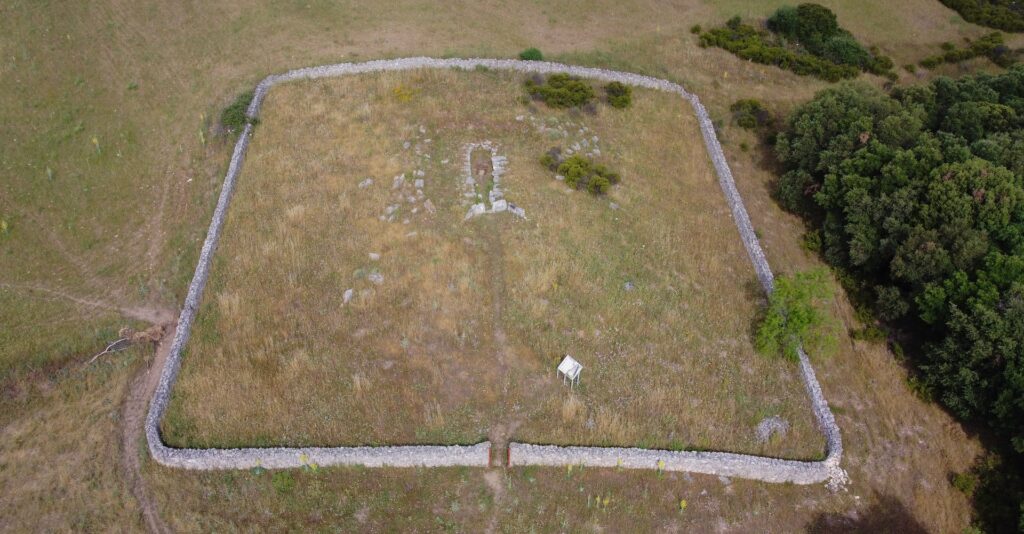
(797, 316)
(805, 39)
(233, 118)
(919, 200)
(560, 90)
(1006, 15)
(580, 172)
(751, 114)
(991, 46)
(531, 54)
(619, 95)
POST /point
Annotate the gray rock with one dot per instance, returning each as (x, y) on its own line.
(376, 278)
(347, 296)
(770, 426)
(366, 183)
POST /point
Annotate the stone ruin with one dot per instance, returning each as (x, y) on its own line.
(483, 168)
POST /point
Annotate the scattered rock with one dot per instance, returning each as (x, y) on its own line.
(376, 278)
(770, 426)
(474, 210)
(499, 205)
(366, 183)
(347, 295)
(628, 286)
(406, 145)
(559, 177)
(613, 206)
(429, 206)
(418, 183)
(399, 180)
(374, 256)
(724, 480)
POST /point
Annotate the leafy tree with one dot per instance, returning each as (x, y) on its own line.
(918, 199)
(798, 315)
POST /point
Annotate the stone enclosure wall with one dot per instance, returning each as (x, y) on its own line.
(715, 463)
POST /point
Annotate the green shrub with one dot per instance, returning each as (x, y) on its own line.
(751, 114)
(1006, 15)
(966, 483)
(798, 315)
(805, 39)
(606, 173)
(550, 159)
(619, 94)
(531, 54)
(991, 46)
(233, 118)
(581, 172)
(695, 29)
(576, 169)
(560, 90)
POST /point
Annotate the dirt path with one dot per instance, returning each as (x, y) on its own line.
(133, 419)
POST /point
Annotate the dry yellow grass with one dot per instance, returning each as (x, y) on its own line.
(125, 225)
(463, 334)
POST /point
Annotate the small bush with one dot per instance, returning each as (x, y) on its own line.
(560, 90)
(619, 95)
(695, 29)
(966, 483)
(991, 46)
(581, 172)
(531, 54)
(551, 158)
(751, 114)
(233, 118)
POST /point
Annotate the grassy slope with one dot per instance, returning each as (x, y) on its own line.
(120, 220)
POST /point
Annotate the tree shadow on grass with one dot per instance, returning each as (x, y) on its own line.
(887, 515)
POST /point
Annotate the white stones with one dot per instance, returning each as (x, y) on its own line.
(613, 205)
(366, 183)
(374, 256)
(419, 173)
(495, 201)
(406, 145)
(429, 206)
(347, 295)
(516, 210)
(770, 426)
(559, 177)
(390, 210)
(418, 184)
(398, 182)
(475, 210)
(376, 278)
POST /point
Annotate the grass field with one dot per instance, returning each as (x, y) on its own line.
(460, 340)
(118, 222)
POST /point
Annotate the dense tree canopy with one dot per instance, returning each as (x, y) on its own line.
(919, 200)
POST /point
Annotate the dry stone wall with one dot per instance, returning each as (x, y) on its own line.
(714, 463)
